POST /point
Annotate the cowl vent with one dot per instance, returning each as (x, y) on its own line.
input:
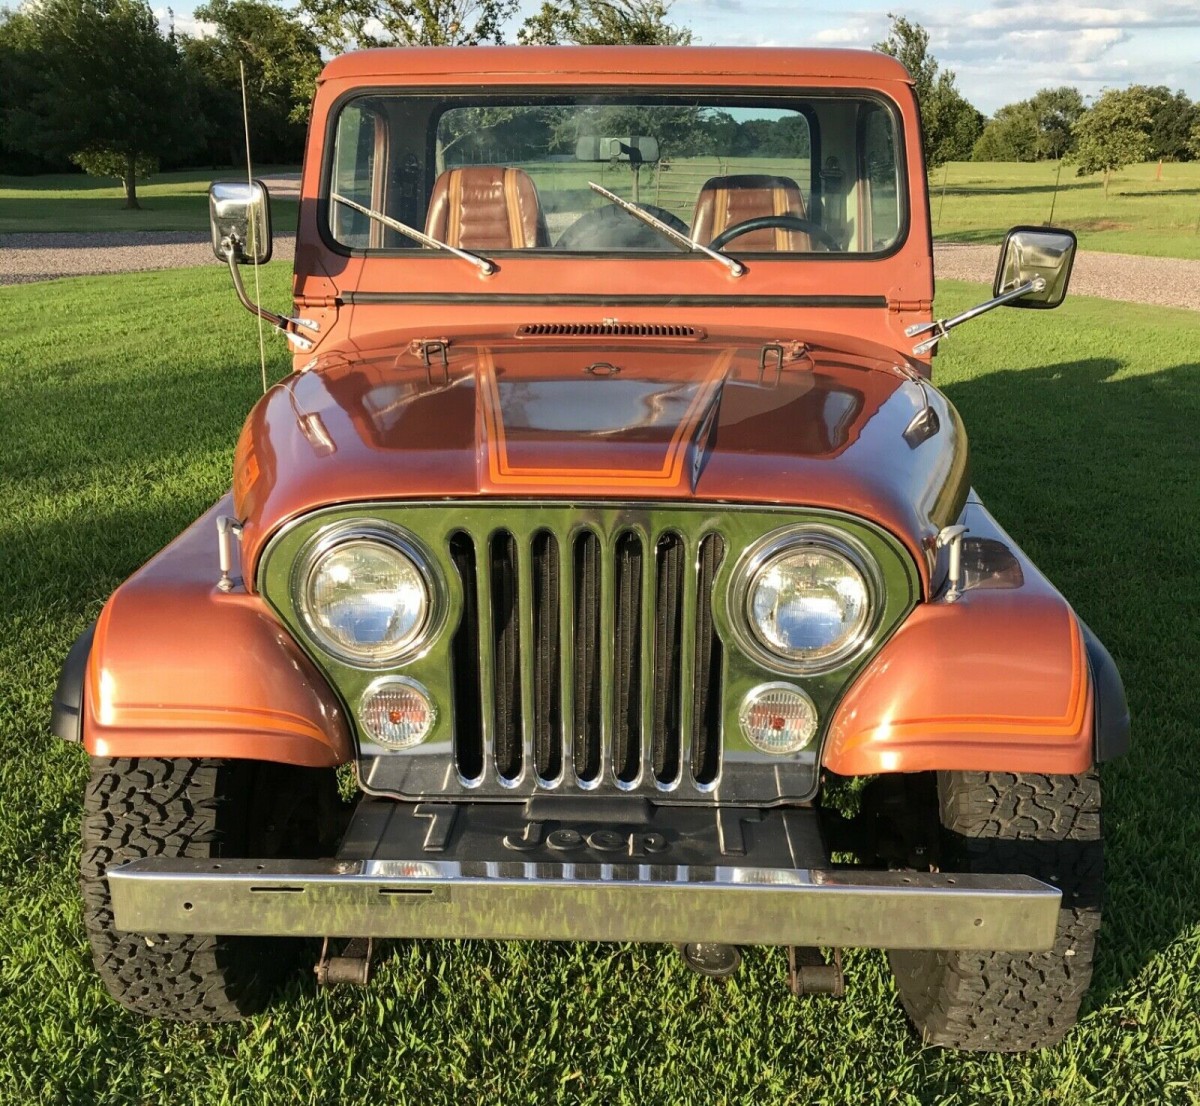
(675, 332)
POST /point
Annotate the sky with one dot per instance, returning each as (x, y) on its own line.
(1001, 50)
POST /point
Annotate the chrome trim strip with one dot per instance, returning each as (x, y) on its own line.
(487, 681)
(687, 658)
(523, 543)
(649, 614)
(566, 651)
(585, 902)
(607, 775)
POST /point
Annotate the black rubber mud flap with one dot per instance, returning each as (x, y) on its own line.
(66, 711)
(1112, 711)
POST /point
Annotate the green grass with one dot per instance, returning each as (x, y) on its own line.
(120, 400)
(73, 202)
(1142, 215)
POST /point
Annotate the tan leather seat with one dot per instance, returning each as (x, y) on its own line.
(726, 201)
(486, 207)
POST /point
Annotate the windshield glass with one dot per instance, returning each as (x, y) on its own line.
(743, 174)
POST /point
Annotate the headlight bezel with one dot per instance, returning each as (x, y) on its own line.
(395, 538)
(779, 543)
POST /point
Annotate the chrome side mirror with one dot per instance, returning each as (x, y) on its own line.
(240, 215)
(1041, 256)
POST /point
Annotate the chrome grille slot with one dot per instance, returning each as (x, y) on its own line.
(668, 657)
(627, 706)
(584, 659)
(587, 657)
(506, 655)
(706, 688)
(468, 719)
(547, 667)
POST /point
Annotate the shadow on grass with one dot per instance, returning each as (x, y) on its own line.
(985, 188)
(1094, 474)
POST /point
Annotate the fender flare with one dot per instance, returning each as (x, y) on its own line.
(1109, 702)
(1007, 678)
(177, 666)
(66, 708)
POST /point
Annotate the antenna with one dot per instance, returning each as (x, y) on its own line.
(262, 346)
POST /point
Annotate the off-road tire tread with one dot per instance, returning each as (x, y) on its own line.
(168, 807)
(1046, 826)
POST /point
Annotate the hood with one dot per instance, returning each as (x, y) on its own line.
(809, 423)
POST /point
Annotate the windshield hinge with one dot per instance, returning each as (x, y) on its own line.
(923, 307)
(318, 301)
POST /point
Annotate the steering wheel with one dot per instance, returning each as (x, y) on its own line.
(777, 222)
(611, 228)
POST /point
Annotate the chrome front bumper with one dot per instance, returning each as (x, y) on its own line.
(585, 902)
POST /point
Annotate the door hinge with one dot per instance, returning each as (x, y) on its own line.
(318, 301)
(923, 307)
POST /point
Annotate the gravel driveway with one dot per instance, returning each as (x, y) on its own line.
(1169, 282)
(1166, 281)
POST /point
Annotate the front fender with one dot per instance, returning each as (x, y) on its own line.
(179, 668)
(1001, 680)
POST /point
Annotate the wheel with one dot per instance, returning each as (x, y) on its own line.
(191, 808)
(780, 222)
(1044, 826)
(613, 228)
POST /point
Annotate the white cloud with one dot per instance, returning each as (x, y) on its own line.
(859, 33)
(185, 23)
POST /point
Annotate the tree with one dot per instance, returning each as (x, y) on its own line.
(112, 93)
(282, 61)
(1113, 133)
(603, 23)
(1172, 117)
(1012, 134)
(1057, 111)
(1194, 144)
(950, 125)
(346, 24)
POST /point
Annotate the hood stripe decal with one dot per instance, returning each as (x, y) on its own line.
(502, 472)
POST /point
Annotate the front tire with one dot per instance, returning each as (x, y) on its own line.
(999, 822)
(143, 807)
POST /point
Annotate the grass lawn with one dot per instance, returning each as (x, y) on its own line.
(120, 400)
(1143, 215)
(74, 202)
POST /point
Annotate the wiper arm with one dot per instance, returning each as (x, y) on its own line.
(668, 231)
(481, 263)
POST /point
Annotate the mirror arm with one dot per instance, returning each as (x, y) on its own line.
(282, 323)
(942, 327)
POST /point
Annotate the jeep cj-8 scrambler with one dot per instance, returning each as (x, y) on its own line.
(611, 545)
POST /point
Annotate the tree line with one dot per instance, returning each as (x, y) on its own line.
(1123, 126)
(100, 85)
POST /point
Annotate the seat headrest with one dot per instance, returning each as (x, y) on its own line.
(486, 207)
(725, 201)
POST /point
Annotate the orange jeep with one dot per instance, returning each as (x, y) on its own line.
(607, 569)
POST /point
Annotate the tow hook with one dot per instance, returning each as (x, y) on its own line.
(810, 974)
(352, 966)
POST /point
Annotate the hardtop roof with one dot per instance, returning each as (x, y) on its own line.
(467, 64)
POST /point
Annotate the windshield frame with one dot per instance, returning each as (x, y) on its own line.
(458, 96)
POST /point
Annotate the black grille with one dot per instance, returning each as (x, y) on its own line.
(676, 331)
(592, 658)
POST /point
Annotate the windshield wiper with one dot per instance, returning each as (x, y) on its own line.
(668, 231)
(481, 263)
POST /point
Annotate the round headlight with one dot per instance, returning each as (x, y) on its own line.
(809, 605)
(366, 598)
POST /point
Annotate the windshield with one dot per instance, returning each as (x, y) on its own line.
(742, 174)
